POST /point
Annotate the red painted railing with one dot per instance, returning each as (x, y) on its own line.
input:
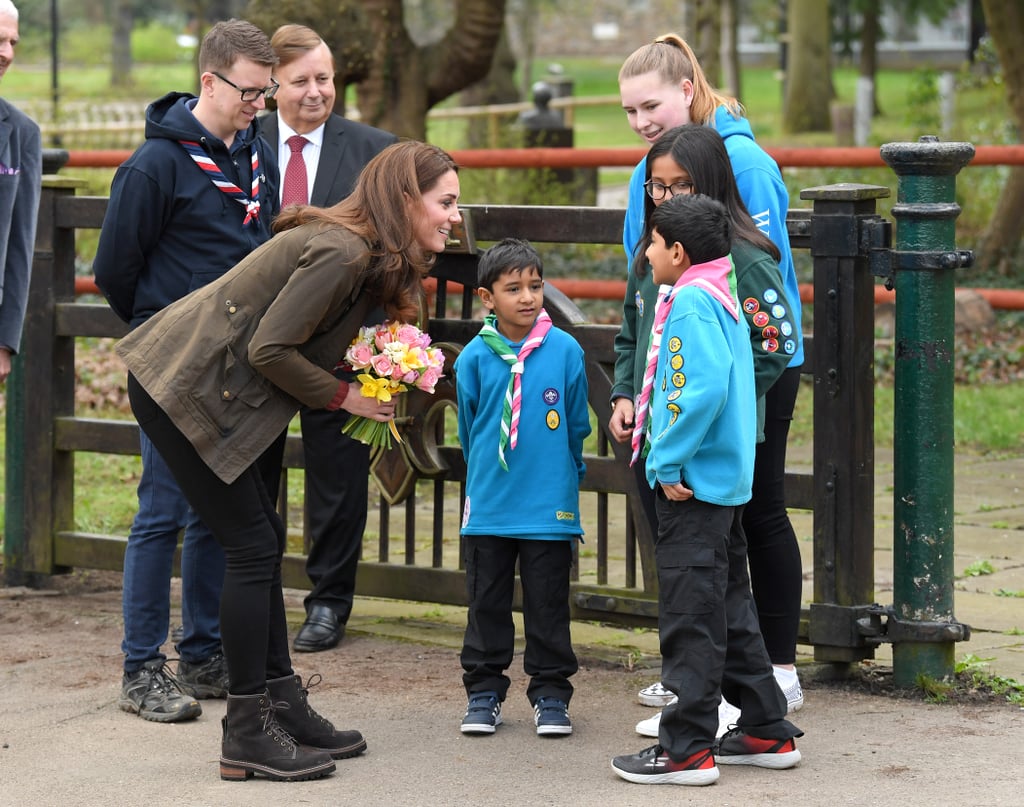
(851, 157)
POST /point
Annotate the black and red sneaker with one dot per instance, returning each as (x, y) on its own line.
(653, 766)
(736, 747)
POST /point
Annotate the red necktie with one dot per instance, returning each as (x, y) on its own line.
(296, 190)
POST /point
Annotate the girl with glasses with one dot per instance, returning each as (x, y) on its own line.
(662, 86)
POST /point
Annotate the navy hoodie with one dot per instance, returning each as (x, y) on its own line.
(168, 229)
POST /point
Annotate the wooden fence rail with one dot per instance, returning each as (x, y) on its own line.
(421, 484)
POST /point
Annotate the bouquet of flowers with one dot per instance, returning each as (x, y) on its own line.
(390, 358)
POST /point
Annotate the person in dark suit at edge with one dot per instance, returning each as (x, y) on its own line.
(321, 154)
(21, 161)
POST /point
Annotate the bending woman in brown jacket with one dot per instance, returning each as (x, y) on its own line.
(214, 380)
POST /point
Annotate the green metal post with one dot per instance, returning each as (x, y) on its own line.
(925, 215)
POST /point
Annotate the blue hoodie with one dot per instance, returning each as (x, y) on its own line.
(168, 229)
(763, 192)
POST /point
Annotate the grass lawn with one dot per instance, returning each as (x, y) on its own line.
(987, 414)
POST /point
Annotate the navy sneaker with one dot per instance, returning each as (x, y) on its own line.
(653, 766)
(736, 747)
(483, 714)
(551, 717)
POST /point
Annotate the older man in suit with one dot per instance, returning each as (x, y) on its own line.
(321, 154)
(21, 168)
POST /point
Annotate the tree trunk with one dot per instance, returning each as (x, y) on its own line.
(869, 50)
(1002, 240)
(731, 68)
(405, 81)
(809, 73)
(497, 87)
(121, 46)
(705, 38)
(524, 17)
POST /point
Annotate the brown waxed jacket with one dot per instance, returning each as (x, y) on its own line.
(231, 363)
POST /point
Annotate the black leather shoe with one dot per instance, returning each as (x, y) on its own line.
(322, 630)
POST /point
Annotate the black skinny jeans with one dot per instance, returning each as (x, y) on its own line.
(243, 518)
(489, 643)
(776, 572)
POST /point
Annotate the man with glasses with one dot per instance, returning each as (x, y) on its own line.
(193, 200)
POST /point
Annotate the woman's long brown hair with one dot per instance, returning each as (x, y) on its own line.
(378, 212)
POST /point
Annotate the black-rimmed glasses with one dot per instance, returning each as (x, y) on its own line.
(251, 93)
(657, 190)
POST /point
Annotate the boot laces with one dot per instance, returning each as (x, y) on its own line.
(268, 714)
(314, 680)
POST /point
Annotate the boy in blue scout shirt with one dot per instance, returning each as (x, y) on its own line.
(697, 412)
(523, 417)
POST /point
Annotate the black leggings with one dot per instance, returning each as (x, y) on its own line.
(776, 572)
(242, 517)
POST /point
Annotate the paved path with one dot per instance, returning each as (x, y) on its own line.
(63, 740)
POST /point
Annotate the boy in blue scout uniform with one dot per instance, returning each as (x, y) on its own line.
(697, 412)
(523, 417)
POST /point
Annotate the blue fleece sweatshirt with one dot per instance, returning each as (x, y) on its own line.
(538, 496)
(763, 192)
(703, 415)
(168, 229)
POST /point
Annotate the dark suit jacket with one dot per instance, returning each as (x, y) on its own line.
(21, 168)
(347, 147)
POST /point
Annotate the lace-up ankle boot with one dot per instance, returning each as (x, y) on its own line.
(307, 726)
(255, 744)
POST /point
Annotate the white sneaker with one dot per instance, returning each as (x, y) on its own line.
(650, 726)
(655, 695)
(727, 716)
(789, 683)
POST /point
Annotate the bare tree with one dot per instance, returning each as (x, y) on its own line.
(121, 43)
(871, 31)
(731, 72)
(523, 19)
(406, 80)
(809, 72)
(497, 87)
(1002, 241)
(701, 28)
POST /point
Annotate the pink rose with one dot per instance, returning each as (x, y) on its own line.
(359, 355)
(429, 379)
(409, 334)
(382, 365)
(383, 336)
